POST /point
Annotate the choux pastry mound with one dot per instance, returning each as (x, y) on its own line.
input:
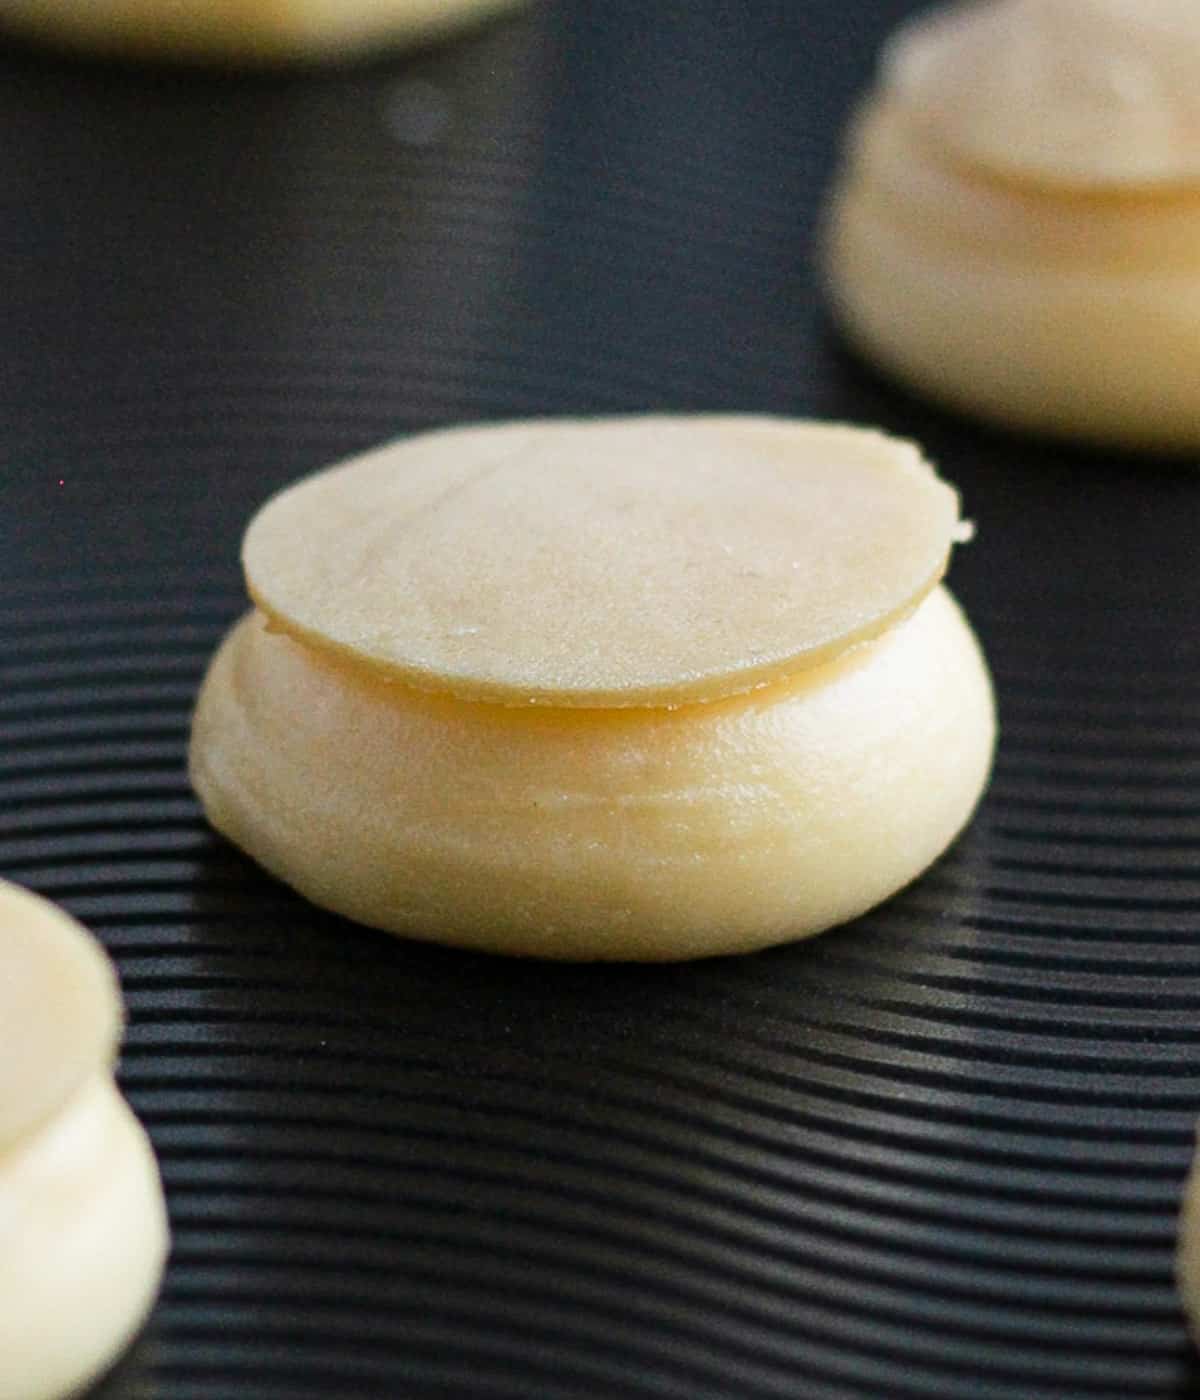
(83, 1231)
(643, 688)
(240, 32)
(1015, 228)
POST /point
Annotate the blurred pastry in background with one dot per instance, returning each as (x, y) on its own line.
(1187, 1249)
(83, 1229)
(637, 688)
(241, 32)
(1015, 227)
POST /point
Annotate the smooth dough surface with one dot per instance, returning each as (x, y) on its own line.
(1044, 291)
(241, 31)
(59, 1003)
(599, 834)
(83, 1238)
(83, 1232)
(607, 562)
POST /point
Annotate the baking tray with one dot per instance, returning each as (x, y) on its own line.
(935, 1154)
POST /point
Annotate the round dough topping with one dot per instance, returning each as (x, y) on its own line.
(60, 1010)
(607, 562)
(1077, 93)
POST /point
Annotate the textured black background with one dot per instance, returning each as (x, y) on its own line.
(935, 1154)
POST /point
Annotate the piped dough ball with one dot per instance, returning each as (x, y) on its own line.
(644, 688)
(1015, 228)
(83, 1233)
(241, 32)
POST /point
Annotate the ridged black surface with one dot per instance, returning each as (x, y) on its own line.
(935, 1154)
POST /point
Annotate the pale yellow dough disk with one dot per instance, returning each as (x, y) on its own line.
(605, 562)
(241, 31)
(83, 1232)
(1015, 227)
(617, 817)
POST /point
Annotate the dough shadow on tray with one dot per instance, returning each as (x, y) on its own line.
(265, 960)
(1189, 1375)
(132, 1377)
(359, 1115)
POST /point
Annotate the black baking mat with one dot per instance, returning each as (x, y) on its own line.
(935, 1154)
